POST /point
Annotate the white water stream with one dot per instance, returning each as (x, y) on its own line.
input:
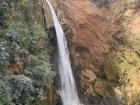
(68, 88)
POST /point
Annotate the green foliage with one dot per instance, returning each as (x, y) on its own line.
(25, 4)
(26, 38)
(72, 56)
(19, 36)
(125, 60)
(41, 75)
(34, 40)
(22, 90)
(120, 66)
(112, 69)
(10, 2)
(3, 58)
(4, 11)
(26, 8)
(20, 31)
(132, 3)
(40, 71)
(100, 3)
(5, 94)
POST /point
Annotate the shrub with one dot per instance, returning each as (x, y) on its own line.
(100, 3)
(40, 71)
(22, 90)
(41, 75)
(10, 2)
(26, 38)
(4, 11)
(3, 58)
(5, 94)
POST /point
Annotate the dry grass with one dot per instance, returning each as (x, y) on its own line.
(123, 67)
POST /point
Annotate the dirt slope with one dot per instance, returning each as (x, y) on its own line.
(92, 29)
(95, 31)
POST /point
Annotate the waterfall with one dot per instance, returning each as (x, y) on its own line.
(68, 88)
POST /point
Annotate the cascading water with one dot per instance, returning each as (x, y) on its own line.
(68, 89)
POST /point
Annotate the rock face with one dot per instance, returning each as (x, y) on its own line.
(98, 33)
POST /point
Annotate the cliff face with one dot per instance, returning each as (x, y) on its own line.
(103, 39)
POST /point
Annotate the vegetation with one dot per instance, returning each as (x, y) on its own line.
(123, 67)
(22, 90)
(5, 94)
(100, 3)
(3, 58)
(22, 43)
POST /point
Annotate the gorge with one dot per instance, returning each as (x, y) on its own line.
(69, 52)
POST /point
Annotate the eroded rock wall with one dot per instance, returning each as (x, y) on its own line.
(98, 31)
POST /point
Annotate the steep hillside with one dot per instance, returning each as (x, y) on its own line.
(26, 73)
(103, 39)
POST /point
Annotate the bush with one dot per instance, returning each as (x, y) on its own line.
(10, 2)
(22, 90)
(100, 3)
(40, 72)
(5, 94)
(26, 38)
(34, 41)
(3, 58)
(41, 75)
(38, 68)
(4, 11)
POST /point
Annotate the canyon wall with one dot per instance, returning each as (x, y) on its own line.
(103, 40)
